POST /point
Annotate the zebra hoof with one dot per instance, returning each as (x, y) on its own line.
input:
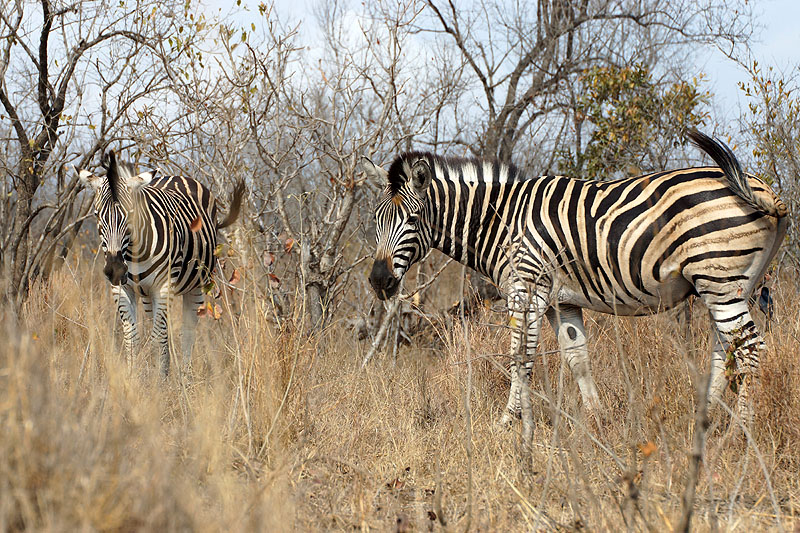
(508, 418)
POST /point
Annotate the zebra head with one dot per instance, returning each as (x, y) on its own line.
(402, 223)
(111, 205)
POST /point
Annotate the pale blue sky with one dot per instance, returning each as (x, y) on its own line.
(777, 44)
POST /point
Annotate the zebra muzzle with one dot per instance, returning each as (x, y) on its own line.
(115, 269)
(382, 280)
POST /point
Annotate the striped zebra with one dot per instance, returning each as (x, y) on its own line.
(158, 234)
(556, 245)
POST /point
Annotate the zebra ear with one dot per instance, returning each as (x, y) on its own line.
(89, 180)
(421, 177)
(374, 171)
(138, 181)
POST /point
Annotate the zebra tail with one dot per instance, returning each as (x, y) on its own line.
(737, 180)
(235, 205)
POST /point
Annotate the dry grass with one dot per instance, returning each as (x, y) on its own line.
(86, 446)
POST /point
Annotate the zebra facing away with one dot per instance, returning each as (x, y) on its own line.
(158, 234)
(557, 245)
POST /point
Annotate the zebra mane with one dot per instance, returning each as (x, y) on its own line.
(119, 174)
(397, 176)
(109, 162)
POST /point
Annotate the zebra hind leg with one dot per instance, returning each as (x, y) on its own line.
(740, 344)
(160, 335)
(718, 381)
(567, 322)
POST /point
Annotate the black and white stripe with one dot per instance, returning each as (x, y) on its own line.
(556, 245)
(158, 234)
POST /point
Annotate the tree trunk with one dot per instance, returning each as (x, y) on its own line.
(19, 248)
(315, 305)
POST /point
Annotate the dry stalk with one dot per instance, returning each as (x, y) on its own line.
(735, 419)
(437, 496)
(696, 457)
(467, 401)
(378, 340)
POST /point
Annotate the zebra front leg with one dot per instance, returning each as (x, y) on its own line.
(525, 315)
(160, 304)
(513, 408)
(191, 302)
(567, 322)
(126, 307)
(516, 368)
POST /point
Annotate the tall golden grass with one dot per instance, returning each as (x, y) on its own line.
(276, 429)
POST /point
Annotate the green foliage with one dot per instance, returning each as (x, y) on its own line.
(773, 108)
(771, 120)
(627, 112)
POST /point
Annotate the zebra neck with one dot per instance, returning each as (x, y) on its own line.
(467, 223)
(141, 226)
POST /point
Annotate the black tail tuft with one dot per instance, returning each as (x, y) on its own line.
(737, 180)
(235, 206)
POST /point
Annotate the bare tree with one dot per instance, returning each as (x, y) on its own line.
(71, 76)
(521, 64)
(310, 128)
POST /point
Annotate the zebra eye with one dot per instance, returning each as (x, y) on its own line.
(412, 221)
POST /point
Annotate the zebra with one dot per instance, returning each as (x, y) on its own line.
(158, 234)
(556, 245)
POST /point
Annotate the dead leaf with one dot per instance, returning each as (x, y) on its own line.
(196, 224)
(217, 312)
(648, 448)
(267, 258)
(235, 277)
(274, 281)
(202, 310)
(288, 244)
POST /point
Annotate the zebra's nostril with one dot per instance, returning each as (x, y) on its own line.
(382, 279)
(115, 269)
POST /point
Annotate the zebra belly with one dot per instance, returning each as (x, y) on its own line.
(663, 296)
(148, 279)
